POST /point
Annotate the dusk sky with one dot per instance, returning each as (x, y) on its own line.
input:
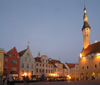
(52, 27)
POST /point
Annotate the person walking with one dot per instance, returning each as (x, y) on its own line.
(10, 78)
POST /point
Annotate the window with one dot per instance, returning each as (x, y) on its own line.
(5, 68)
(28, 55)
(32, 72)
(27, 65)
(14, 61)
(22, 71)
(14, 68)
(51, 71)
(43, 70)
(43, 60)
(95, 66)
(14, 54)
(5, 60)
(46, 61)
(51, 66)
(46, 70)
(87, 35)
(83, 68)
(40, 65)
(87, 67)
(30, 59)
(27, 72)
(46, 65)
(22, 65)
(37, 70)
(43, 65)
(40, 70)
(25, 59)
(32, 66)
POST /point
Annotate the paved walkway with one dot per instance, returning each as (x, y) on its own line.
(94, 82)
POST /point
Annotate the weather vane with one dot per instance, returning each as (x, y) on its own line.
(28, 42)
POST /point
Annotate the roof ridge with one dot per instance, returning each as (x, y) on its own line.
(22, 52)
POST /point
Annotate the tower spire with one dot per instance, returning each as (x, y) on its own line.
(86, 29)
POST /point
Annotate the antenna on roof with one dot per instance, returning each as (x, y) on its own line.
(59, 58)
(28, 45)
(84, 3)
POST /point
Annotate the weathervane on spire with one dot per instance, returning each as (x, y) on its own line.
(28, 45)
(84, 3)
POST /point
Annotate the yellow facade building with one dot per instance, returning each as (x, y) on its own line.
(1, 61)
(89, 60)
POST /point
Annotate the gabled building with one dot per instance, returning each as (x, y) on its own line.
(1, 61)
(11, 63)
(69, 66)
(75, 72)
(59, 68)
(43, 65)
(27, 64)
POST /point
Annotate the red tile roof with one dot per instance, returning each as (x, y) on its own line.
(92, 48)
(70, 65)
(9, 52)
(22, 52)
(64, 66)
(55, 61)
(37, 59)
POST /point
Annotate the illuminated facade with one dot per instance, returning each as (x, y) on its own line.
(11, 63)
(49, 67)
(89, 60)
(43, 65)
(1, 61)
(75, 72)
(27, 64)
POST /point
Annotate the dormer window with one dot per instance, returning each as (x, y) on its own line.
(28, 55)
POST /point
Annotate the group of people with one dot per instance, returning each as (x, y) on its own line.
(10, 79)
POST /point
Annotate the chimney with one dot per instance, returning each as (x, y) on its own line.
(95, 41)
(28, 47)
(38, 54)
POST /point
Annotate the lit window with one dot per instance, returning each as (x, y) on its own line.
(40, 70)
(22, 71)
(14, 68)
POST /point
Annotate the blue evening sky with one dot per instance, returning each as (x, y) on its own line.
(52, 27)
